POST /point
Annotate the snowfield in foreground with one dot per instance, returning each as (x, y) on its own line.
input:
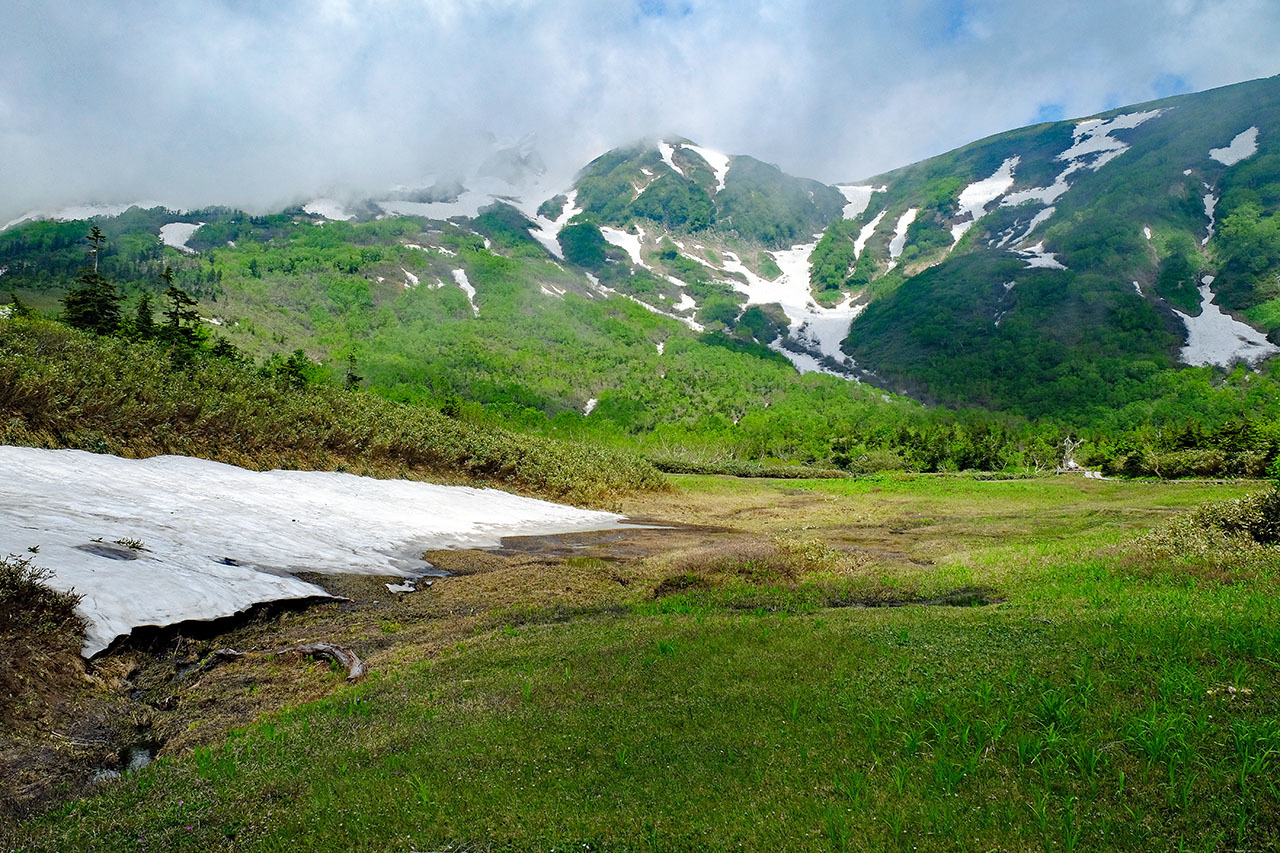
(164, 540)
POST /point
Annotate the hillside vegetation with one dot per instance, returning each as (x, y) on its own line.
(63, 388)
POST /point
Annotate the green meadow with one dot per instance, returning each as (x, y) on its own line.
(914, 662)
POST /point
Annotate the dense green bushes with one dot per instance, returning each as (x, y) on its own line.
(61, 388)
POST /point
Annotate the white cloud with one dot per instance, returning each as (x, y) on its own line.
(261, 104)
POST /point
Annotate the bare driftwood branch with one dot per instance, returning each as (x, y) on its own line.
(356, 668)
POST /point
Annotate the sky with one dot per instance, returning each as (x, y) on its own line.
(264, 104)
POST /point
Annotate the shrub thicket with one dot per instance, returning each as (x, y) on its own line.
(62, 388)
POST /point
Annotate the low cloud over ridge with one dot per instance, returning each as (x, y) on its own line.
(265, 104)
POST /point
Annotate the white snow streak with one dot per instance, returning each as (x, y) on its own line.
(718, 162)
(1146, 231)
(460, 276)
(1037, 257)
(1092, 148)
(858, 197)
(1040, 217)
(899, 241)
(865, 234)
(590, 407)
(814, 327)
(1210, 203)
(548, 229)
(219, 538)
(630, 243)
(975, 197)
(176, 234)
(1218, 338)
(666, 150)
(1243, 146)
(410, 280)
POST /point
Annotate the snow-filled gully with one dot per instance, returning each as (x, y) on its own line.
(170, 539)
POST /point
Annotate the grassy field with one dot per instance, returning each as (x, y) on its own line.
(695, 688)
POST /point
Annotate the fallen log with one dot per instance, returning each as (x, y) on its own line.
(356, 668)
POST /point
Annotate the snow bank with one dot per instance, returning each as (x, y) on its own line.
(328, 208)
(176, 234)
(630, 243)
(899, 241)
(410, 280)
(1218, 338)
(1210, 205)
(548, 229)
(1037, 257)
(819, 329)
(589, 407)
(460, 276)
(865, 234)
(975, 197)
(667, 150)
(1092, 147)
(1243, 146)
(219, 538)
(858, 197)
(718, 162)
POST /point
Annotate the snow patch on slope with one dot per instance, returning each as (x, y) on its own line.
(1242, 147)
(667, 150)
(718, 162)
(1210, 204)
(819, 329)
(1218, 338)
(460, 276)
(219, 539)
(548, 229)
(865, 234)
(176, 234)
(899, 241)
(1037, 257)
(1092, 148)
(975, 197)
(630, 243)
(857, 198)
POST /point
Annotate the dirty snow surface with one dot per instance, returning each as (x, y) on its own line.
(217, 538)
(1243, 146)
(176, 234)
(1218, 338)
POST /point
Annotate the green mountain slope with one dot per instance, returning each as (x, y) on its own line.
(666, 299)
(1071, 280)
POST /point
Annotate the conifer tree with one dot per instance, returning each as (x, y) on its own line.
(144, 324)
(94, 304)
(182, 329)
